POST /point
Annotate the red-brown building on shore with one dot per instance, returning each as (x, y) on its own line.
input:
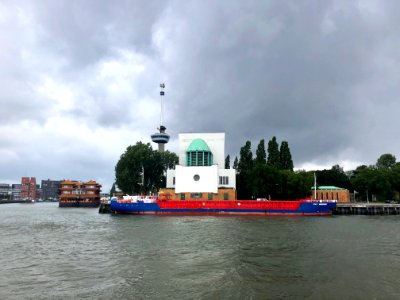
(79, 194)
(28, 188)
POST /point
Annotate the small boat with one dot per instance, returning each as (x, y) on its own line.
(28, 200)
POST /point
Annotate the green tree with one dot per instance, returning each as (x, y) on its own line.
(335, 176)
(361, 180)
(141, 161)
(235, 163)
(246, 158)
(227, 162)
(273, 153)
(169, 159)
(285, 157)
(244, 172)
(386, 161)
(395, 181)
(261, 156)
(380, 184)
(112, 191)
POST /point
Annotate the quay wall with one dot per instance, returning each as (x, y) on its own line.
(367, 209)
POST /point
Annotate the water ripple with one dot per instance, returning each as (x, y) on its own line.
(53, 253)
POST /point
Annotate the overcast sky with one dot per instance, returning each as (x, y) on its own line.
(79, 80)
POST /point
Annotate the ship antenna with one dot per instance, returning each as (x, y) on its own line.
(315, 186)
(162, 93)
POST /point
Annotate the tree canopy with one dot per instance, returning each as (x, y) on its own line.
(261, 156)
(386, 161)
(285, 157)
(142, 162)
(227, 162)
(273, 153)
(273, 178)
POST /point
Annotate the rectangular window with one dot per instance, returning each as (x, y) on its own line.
(173, 180)
(196, 196)
(226, 196)
(210, 196)
(200, 159)
(182, 196)
(223, 180)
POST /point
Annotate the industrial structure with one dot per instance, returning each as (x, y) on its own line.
(161, 138)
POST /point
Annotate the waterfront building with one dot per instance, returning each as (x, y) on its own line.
(201, 172)
(5, 191)
(331, 193)
(28, 188)
(79, 194)
(38, 192)
(104, 195)
(50, 189)
(16, 192)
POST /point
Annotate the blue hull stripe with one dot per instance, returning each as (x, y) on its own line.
(306, 208)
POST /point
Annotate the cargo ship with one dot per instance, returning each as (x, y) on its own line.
(160, 205)
(200, 184)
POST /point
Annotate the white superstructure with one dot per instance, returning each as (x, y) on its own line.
(201, 166)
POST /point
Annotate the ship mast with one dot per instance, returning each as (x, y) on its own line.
(162, 87)
(315, 186)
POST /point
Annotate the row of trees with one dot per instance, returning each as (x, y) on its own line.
(377, 182)
(270, 173)
(274, 178)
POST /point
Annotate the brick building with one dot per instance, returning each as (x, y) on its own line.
(28, 188)
(331, 193)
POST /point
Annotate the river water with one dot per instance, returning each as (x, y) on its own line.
(75, 253)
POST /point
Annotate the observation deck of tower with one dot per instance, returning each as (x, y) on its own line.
(161, 137)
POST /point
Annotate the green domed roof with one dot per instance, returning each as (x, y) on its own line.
(198, 145)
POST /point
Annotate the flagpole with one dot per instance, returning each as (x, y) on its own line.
(315, 186)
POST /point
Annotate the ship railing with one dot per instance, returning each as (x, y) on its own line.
(321, 200)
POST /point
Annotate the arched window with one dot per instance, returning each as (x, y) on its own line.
(198, 154)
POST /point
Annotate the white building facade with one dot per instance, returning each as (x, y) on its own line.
(201, 166)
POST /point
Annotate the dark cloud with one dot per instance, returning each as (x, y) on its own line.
(288, 69)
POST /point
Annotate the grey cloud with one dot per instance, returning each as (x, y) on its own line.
(270, 69)
(85, 32)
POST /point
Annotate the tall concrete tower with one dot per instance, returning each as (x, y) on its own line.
(161, 137)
